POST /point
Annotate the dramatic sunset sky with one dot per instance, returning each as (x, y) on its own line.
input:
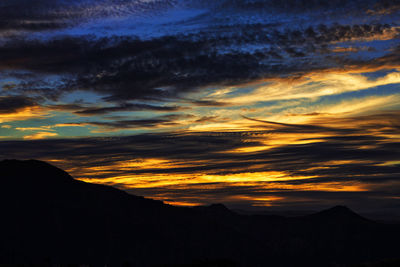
(274, 104)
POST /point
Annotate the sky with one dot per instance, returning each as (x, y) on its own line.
(277, 105)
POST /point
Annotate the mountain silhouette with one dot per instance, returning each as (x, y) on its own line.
(216, 210)
(337, 213)
(49, 218)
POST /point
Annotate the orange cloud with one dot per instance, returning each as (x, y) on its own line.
(40, 135)
(24, 114)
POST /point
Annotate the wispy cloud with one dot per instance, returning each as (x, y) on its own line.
(349, 157)
(261, 102)
(40, 135)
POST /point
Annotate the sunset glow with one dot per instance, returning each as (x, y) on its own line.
(196, 104)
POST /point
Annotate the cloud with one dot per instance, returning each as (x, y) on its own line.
(67, 107)
(33, 128)
(27, 25)
(40, 135)
(25, 16)
(12, 104)
(171, 120)
(384, 8)
(126, 107)
(19, 108)
(313, 85)
(323, 6)
(343, 167)
(310, 131)
(359, 148)
(209, 103)
(351, 160)
(167, 67)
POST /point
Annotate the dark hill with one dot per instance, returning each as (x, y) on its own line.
(216, 210)
(338, 213)
(47, 217)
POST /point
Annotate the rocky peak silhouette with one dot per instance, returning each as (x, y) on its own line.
(50, 218)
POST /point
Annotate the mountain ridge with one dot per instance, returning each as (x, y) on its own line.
(104, 225)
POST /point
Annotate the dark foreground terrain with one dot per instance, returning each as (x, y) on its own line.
(49, 218)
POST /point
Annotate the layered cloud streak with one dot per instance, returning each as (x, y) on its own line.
(251, 103)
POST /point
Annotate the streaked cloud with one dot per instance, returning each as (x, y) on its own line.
(313, 85)
(257, 103)
(352, 156)
(40, 135)
(23, 114)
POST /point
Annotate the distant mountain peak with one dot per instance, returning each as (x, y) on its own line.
(217, 206)
(32, 171)
(45, 213)
(215, 209)
(340, 208)
(338, 212)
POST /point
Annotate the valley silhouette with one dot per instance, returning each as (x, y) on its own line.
(49, 218)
